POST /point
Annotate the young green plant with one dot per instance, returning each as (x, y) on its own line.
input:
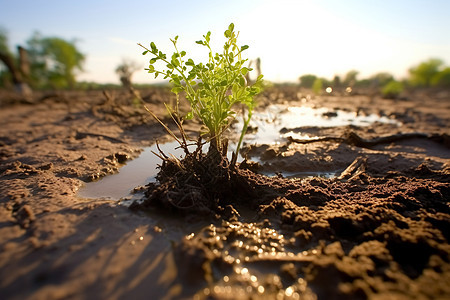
(214, 89)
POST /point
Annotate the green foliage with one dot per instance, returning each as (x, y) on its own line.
(350, 78)
(422, 74)
(213, 89)
(5, 76)
(317, 86)
(4, 41)
(54, 61)
(392, 89)
(442, 79)
(381, 79)
(307, 80)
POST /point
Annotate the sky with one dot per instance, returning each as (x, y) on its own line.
(292, 38)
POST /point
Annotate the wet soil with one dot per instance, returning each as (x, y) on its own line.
(378, 229)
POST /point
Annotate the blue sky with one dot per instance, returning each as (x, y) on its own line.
(323, 37)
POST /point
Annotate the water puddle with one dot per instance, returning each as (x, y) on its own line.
(137, 172)
(278, 117)
(143, 169)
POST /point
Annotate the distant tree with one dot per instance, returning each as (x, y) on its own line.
(392, 89)
(125, 71)
(307, 80)
(442, 79)
(16, 70)
(422, 74)
(351, 78)
(381, 79)
(317, 86)
(54, 61)
(337, 82)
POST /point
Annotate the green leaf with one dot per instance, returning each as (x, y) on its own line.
(145, 52)
(153, 46)
(208, 36)
(199, 42)
(231, 27)
(176, 89)
(183, 53)
(244, 71)
(244, 47)
(241, 81)
(189, 116)
(190, 62)
(170, 66)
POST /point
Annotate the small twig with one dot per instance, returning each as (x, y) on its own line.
(160, 151)
(357, 167)
(136, 94)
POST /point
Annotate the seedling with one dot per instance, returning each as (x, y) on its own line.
(215, 89)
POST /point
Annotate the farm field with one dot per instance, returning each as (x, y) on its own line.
(345, 197)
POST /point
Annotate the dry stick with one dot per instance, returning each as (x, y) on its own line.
(82, 135)
(354, 139)
(155, 117)
(178, 122)
(355, 168)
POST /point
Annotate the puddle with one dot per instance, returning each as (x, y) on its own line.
(137, 172)
(143, 169)
(304, 175)
(278, 117)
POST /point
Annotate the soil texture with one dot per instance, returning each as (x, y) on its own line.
(349, 212)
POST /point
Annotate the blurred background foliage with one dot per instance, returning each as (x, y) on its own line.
(54, 63)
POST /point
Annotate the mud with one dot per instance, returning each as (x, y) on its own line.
(377, 230)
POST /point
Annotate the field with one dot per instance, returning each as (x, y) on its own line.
(351, 210)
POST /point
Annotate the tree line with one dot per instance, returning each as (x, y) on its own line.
(432, 73)
(53, 63)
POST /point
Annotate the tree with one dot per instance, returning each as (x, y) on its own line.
(125, 71)
(381, 79)
(16, 70)
(317, 86)
(392, 89)
(307, 80)
(54, 61)
(350, 78)
(442, 79)
(422, 74)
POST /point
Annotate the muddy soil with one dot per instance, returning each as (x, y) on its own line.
(377, 229)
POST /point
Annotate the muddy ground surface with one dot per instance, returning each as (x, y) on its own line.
(378, 229)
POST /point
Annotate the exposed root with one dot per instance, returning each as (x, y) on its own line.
(200, 182)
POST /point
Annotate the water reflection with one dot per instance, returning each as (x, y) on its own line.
(268, 124)
(278, 118)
